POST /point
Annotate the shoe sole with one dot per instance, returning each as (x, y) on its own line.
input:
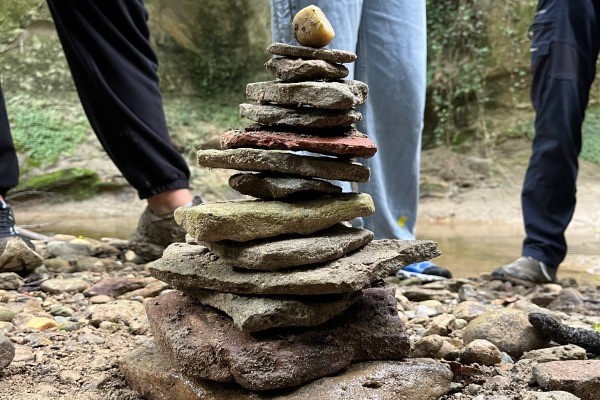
(402, 274)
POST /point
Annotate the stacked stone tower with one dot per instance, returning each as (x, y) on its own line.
(277, 291)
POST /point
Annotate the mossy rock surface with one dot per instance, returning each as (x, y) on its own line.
(73, 183)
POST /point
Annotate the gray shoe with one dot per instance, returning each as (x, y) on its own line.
(526, 271)
(155, 232)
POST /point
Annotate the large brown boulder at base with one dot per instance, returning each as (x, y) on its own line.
(151, 374)
(205, 344)
(188, 267)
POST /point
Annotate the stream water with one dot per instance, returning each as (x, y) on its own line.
(468, 249)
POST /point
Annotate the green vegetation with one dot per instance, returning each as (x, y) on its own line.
(75, 183)
(597, 327)
(591, 135)
(44, 129)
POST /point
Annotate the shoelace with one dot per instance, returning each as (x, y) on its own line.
(7, 222)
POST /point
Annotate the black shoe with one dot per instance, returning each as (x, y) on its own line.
(426, 271)
(7, 225)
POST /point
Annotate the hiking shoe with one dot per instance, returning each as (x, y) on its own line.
(426, 271)
(155, 232)
(7, 225)
(526, 271)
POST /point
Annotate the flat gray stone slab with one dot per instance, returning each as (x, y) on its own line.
(253, 313)
(187, 266)
(297, 70)
(299, 117)
(331, 55)
(351, 144)
(153, 376)
(205, 344)
(328, 95)
(268, 187)
(287, 252)
(245, 220)
(284, 163)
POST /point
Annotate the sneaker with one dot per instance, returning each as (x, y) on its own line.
(426, 271)
(526, 271)
(155, 232)
(7, 225)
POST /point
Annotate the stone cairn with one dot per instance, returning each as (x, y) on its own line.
(278, 291)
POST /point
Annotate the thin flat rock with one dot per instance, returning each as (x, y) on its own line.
(269, 187)
(306, 117)
(331, 55)
(154, 377)
(298, 70)
(287, 252)
(326, 95)
(354, 144)
(253, 313)
(260, 160)
(245, 220)
(186, 266)
(205, 344)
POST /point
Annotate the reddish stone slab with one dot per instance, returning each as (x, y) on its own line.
(355, 144)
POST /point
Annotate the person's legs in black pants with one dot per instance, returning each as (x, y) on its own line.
(564, 52)
(107, 46)
(9, 165)
(114, 68)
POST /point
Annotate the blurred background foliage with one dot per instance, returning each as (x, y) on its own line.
(478, 77)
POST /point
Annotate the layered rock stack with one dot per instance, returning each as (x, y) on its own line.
(277, 291)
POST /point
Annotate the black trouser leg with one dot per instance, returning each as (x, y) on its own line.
(9, 165)
(564, 52)
(107, 46)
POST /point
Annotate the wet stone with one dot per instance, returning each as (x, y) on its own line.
(299, 117)
(334, 56)
(205, 344)
(284, 163)
(353, 144)
(287, 252)
(264, 186)
(187, 267)
(323, 95)
(252, 313)
(254, 219)
(296, 70)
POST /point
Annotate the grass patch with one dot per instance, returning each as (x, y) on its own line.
(45, 128)
(591, 135)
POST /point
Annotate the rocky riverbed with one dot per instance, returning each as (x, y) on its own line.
(74, 320)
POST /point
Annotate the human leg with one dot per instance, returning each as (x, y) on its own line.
(392, 53)
(563, 55)
(114, 69)
(9, 165)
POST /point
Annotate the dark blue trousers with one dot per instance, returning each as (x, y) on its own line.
(564, 50)
(114, 68)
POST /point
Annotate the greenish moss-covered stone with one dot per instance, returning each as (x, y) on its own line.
(255, 219)
(75, 183)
